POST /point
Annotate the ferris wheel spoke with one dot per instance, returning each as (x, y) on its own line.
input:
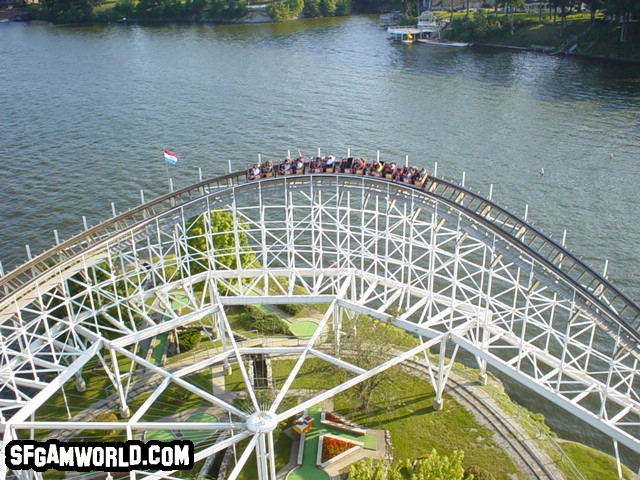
(294, 371)
(239, 359)
(244, 457)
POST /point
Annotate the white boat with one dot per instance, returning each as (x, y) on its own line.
(443, 43)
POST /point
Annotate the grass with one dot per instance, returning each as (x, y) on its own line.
(405, 408)
(312, 370)
(174, 399)
(308, 377)
(282, 450)
(600, 39)
(601, 465)
(98, 386)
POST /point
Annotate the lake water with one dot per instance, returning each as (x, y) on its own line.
(88, 110)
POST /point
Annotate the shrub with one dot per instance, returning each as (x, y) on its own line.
(286, 10)
(188, 339)
(343, 7)
(95, 435)
(479, 27)
(255, 319)
(328, 7)
(478, 473)
(292, 308)
(311, 8)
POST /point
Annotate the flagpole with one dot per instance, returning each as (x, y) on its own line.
(166, 167)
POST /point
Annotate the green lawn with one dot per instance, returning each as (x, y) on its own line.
(600, 465)
(405, 408)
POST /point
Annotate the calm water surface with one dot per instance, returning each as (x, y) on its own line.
(88, 110)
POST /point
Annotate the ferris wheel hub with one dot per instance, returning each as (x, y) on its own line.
(261, 422)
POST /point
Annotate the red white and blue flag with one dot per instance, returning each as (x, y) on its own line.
(170, 157)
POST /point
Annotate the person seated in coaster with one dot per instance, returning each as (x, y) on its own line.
(329, 160)
(408, 173)
(389, 168)
(256, 170)
(286, 166)
(376, 167)
(267, 167)
(299, 163)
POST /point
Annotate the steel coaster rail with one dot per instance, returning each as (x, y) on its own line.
(546, 251)
(553, 256)
(23, 274)
(556, 256)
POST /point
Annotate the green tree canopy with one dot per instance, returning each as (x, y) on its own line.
(430, 467)
(440, 467)
(217, 241)
(69, 11)
(227, 9)
(370, 469)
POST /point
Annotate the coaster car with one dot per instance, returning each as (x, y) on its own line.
(257, 171)
(316, 165)
(286, 167)
(345, 165)
(375, 169)
(352, 165)
(390, 170)
(329, 164)
(412, 176)
(421, 178)
(299, 166)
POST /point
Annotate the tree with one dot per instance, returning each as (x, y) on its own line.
(253, 318)
(149, 9)
(124, 9)
(430, 467)
(285, 10)
(311, 8)
(189, 338)
(623, 11)
(212, 244)
(328, 7)
(440, 467)
(513, 4)
(69, 11)
(227, 9)
(594, 6)
(343, 7)
(370, 469)
(369, 343)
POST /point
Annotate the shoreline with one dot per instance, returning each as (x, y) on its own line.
(258, 15)
(585, 56)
